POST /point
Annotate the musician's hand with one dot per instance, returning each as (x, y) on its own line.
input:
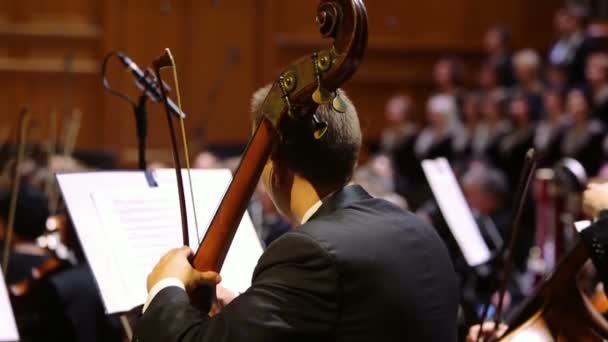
(223, 297)
(175, 264)
(595, 199)
(486, 332)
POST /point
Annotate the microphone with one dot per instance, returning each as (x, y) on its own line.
(148, 84)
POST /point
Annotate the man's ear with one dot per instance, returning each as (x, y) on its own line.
(280, 174)
(281, 180)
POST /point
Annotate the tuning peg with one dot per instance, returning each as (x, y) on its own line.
(321, 96)
(319, 127)
(283, 84)
(338, 104)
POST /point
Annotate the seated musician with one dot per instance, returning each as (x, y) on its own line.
(356, 268)
(595, 237)
(31, 213)
(62, 305)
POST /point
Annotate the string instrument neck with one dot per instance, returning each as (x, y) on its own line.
(236, 199)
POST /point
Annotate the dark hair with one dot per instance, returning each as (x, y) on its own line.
(586, 96)
(491, 180)
(31, 212)
(329, 161)
(504, 34)
(578, 11)
(456, 68)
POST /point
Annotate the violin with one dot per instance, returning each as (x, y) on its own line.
(308, 82)
(42, 271)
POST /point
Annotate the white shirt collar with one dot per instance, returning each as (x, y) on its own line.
(311, 211)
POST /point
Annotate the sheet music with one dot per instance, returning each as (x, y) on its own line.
(142, 223)
(8, 328)
(456, 211)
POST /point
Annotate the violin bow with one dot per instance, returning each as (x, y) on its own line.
(24, 119)
(525, 179)
(5, 135)
(70, 136)
(164, 61)
(51, 149)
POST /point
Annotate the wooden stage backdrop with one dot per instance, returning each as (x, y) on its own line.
(51, 52)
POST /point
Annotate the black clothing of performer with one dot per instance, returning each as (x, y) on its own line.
(595, 238)
(360, 270)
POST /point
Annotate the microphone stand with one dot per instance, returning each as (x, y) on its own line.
(141, 127)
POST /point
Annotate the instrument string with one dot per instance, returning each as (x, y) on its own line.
(184, 142)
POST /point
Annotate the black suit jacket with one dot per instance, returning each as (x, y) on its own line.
(360, 270)
(595, 239)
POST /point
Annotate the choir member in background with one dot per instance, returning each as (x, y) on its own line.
(377, 178)
(399, 123)
(497, 45)
(493, 128)
(597, 81)
(436, 138)
(463, 138)
(556, 77)
(583, 138)
(570, 50)
(514, 145)
(398, 141)
(527, 66)
(550, 130)
(434, 141)
(488, 80)
(448, 75)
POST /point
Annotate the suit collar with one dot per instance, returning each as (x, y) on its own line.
(341, 199)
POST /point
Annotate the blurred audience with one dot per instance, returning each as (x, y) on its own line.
(527, 67)
(399, 123)
(497, 45)
(596, 73)
(550, 129)
(583, 138)
(448, 75)
(570, 49)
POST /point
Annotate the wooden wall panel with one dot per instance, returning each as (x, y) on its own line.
(226, 49)
(406, 38)
(49, 62)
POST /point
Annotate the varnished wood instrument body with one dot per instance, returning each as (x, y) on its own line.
(559, 309)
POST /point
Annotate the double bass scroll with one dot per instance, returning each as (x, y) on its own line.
(322, 72)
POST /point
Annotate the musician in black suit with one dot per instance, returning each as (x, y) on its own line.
(595, 237)
(29, 223)
(356, 268)
(62, 305)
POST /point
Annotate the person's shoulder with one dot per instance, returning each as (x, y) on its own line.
(293, 248)
(370, 218)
